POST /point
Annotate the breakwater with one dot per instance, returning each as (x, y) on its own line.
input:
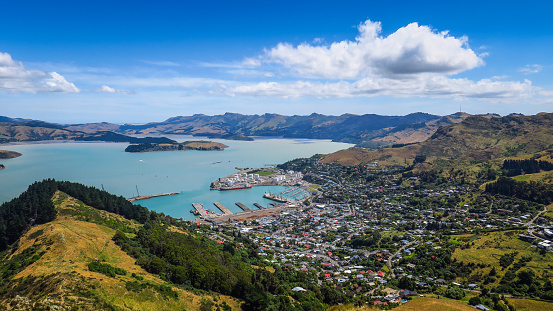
(149, 196)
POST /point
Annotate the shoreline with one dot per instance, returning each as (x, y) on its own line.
(61, 141)
(170, 136)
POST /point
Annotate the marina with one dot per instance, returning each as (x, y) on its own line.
(298, 191)
(289, 190)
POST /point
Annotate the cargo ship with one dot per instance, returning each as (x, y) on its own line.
(275, 197)
(235, 187)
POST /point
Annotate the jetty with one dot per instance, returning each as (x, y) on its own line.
(149, 196)
(200, 208)
(258, 205)
(243, 207)
(222, 208)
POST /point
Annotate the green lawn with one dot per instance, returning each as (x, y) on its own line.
(263, 173)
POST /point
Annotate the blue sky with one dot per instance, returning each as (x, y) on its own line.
(140, 61)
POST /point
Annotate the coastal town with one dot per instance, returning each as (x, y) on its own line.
(373, 234)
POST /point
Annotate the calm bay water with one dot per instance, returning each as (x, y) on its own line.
(186, 172)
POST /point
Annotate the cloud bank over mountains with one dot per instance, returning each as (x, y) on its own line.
(413, 61)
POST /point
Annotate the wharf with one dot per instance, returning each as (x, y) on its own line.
(243, 207)
(249, 215)
(258, 205)
(200, 208)
(149, 196)
(222, 208)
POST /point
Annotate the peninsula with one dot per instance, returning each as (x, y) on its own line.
(187, 145)
(6, 154)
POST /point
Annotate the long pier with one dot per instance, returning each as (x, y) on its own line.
(200, 208)
(149, 196)
(243, 207)
(222, 208)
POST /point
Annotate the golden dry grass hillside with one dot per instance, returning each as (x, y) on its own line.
(61, 279)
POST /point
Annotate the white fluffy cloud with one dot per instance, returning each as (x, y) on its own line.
(410, 50)
(14, 77)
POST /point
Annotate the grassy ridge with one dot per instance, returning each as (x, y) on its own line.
(78, 237)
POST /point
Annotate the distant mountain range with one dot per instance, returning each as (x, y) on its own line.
(17, 131)
(369, 130)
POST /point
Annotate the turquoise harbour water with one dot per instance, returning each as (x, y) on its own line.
(186, 172)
